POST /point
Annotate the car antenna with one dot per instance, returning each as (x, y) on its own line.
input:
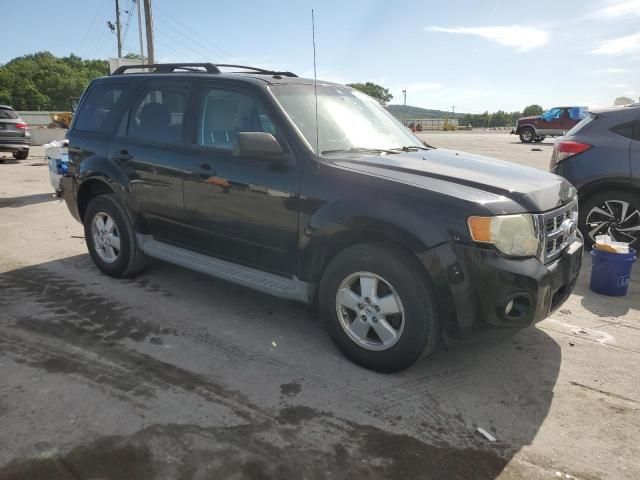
(315, 84)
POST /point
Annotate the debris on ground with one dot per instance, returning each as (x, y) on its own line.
(486, 434)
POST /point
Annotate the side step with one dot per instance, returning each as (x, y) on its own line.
(289, 288)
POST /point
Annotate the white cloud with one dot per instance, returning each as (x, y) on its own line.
(617, 85)
(620, 46)
(630, 92)
(628, 8)
(522, 38)
(614, 70)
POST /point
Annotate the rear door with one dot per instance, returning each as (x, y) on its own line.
(148, 147)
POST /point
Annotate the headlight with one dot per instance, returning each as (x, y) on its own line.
(511, 234)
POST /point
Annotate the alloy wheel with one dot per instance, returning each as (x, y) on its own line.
(615, 218)
(106, 238)
(370, 311)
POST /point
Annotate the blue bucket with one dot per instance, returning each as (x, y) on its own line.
(611, 272)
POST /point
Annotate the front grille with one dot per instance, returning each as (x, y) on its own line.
(559, 228)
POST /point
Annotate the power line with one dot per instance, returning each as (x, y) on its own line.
(202, 38)
(175, 40)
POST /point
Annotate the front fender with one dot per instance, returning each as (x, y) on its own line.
(348, 221)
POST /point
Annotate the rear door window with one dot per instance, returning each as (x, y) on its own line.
(158, 113)
(96, 109)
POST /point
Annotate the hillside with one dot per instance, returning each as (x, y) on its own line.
(408, 112)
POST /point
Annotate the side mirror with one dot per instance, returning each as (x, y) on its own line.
(258, 145)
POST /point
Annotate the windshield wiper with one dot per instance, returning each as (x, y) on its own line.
(358, 150)
(411, 148)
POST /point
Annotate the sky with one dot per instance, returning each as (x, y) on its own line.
(474, 55)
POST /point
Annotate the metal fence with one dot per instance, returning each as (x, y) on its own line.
(431, 123)
(36, 118)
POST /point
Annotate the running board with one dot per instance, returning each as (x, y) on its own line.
(289, 288)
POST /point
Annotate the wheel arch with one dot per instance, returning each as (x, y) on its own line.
(628, 184)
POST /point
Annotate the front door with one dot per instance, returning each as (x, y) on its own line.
(239, 208)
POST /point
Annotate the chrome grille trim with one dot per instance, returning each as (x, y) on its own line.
(555, 235)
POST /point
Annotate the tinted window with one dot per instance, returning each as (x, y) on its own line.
(224, 113)
(158, 113)
(583, 123)
(626, 129)
(96, 107)
(8, 114)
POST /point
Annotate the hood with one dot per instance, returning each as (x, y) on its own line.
(496, 184)
(528, 119)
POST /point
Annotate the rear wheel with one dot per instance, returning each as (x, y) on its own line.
(615, 213)
(111, 238)
(378, 308)
(527, 135)
(21, 155)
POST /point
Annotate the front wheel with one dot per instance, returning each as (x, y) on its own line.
(527, 135)
(111, 238)
(378, 308)
(615, 213)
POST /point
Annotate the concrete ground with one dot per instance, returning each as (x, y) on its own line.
(175, 375)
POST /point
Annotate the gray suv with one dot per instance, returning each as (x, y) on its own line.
(14, 133)
(601, 157)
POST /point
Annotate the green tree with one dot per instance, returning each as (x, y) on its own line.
(46, 82)
(373, 90)
(623, 101)
(532, 110)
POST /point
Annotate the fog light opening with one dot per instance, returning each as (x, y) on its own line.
(517, 307)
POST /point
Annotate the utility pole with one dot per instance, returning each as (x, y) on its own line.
(404, 92)
(148, 19)
(453, 109)
(118, 29)
(140, 31)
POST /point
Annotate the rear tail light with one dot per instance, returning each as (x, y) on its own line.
(21, 125)
(564, 149)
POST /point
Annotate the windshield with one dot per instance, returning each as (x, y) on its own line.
(348, 120)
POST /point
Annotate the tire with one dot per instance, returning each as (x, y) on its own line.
(128, 259)
(540, 139)
(399, 277)
(612, 203)
(527, 135)
(21, 155)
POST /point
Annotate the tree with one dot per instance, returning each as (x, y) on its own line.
(44, 81)
(623, 101)
(373, 90)
(532, 110)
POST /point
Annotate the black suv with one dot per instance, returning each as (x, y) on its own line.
(314, 192)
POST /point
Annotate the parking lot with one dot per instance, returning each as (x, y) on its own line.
(175, 375)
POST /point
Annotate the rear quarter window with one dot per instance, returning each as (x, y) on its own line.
(95, 110)
(625, 129)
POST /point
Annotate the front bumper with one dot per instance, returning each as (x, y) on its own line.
(492, 294)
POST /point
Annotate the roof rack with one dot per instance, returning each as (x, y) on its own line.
(195, 67)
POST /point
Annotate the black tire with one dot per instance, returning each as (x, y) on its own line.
(540, 139)
(527, 135)
(130, 259)
(610, 201)
(421, 332)
(21, 155)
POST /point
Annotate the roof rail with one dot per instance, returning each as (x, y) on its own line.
(257, 70)
(196, 67)
(169, 67)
